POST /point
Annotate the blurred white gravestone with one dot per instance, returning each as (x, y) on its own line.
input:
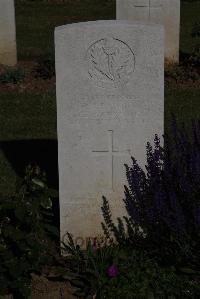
(8, 52)
(110, 102)
(165, 12)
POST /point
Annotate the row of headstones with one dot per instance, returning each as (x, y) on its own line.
(166, 12)
(110, 102)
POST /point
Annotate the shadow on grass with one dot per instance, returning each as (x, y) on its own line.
(42, 152)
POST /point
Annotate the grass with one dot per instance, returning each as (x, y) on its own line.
(28, 133)
(28, 116)
(36, 22)
(182, 103)
(189, 15)
(32, 115)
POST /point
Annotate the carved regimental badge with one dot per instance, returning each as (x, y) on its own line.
(111, 62)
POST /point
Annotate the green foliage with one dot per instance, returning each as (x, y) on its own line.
(182, 73)
(188, 69)
(138, 275)
(194, 59)
(196, 30)
(156, 249)
(46, 67)
(12, 75)
(25, 230)
(163, 204)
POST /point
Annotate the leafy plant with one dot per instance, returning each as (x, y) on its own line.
(184, 72)
(115, 271)
(155, 253)
(87, 269)
(163, 204)
(12, 75)
(25, 230)
(196, 30)
(46, 67)
(189, 67)
(194, 59)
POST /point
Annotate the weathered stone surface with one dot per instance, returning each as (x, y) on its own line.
(166, 12)
(110, 102)
(8, 52)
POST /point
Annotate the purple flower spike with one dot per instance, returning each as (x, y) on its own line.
(112, 271)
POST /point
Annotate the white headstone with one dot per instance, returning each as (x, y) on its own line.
(8, 52)
(110, 102)
(165, 12)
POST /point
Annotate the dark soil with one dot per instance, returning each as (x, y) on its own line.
(35, 84)
(42, 288)
(31, 83)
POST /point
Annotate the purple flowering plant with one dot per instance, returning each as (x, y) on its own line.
(158, 240)
(163, 202)
(112, 271)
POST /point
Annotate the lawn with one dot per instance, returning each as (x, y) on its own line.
(31, 115)
(28, 116)
(28, 109)
(189, 16)
(36, 22)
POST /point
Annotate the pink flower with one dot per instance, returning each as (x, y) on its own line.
(112, 271)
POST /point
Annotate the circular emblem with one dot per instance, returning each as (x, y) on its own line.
(111, 62)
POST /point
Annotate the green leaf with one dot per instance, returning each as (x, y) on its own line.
(46, 203)
(189, 271)
(51, 229)
(53, 193)
(20, 213)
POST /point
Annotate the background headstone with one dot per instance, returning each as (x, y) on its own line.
(8, 52)
(110, 102)
(166, 12)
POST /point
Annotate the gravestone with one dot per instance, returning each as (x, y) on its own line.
(110, 102)
(8, 52)
(165, 12)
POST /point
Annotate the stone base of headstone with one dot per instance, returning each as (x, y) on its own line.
(9, 58)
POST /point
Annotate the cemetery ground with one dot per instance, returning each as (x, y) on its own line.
(28, 98)
(28, 108)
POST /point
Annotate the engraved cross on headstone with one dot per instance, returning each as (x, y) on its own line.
(150, 5)
(111, 152)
